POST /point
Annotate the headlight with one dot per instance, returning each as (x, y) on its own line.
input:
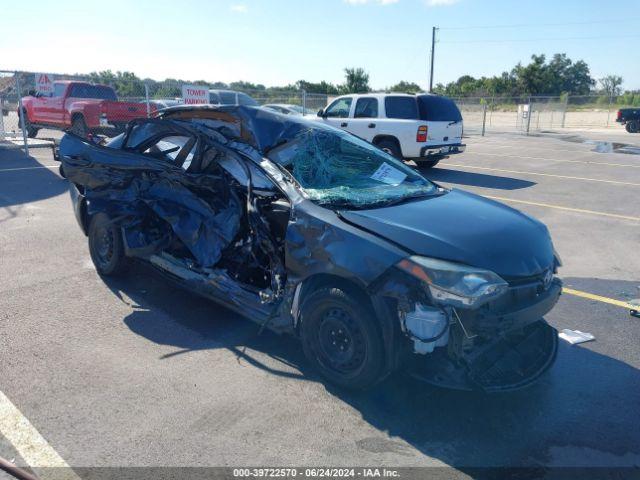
(455, 284)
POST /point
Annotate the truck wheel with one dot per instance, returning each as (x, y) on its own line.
(632, 126)
(30, 129)
(106, 247)
(79, 127)
(341, 338)
(427, 163)
(390, 147)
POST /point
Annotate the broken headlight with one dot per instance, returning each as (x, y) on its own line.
(455, 284)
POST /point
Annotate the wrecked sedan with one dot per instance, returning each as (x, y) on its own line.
(309, 230)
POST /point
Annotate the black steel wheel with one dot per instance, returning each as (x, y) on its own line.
(341, 337)
(105, 246)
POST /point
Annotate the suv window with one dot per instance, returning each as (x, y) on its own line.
(366, 108)
(339, 108)
(401, 107)
(438, 109)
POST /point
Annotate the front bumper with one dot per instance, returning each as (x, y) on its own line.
(440, 150)
(510, 347)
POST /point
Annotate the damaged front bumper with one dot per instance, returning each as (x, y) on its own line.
(506, 345)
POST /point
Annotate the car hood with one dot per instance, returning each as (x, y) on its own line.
(466, 228)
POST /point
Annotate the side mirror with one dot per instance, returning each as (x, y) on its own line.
(32, 93)
(321, 113)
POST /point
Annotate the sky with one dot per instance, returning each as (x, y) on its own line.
(277, 42)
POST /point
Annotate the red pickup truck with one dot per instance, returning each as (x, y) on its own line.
(81, 107)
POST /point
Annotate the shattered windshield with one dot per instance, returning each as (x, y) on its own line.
(335, 168)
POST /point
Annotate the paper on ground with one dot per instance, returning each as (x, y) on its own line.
(575, 336)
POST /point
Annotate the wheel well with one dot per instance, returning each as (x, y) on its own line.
(379, 138)
(76, 115)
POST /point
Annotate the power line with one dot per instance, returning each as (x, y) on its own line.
(603, 37)
(563, 24)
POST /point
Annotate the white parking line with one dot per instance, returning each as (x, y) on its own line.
(506, 155)
(27, 168)
(29, 444)
(568, 177)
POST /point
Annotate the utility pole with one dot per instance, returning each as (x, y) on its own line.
(433, 51)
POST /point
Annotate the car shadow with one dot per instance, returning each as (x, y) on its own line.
(24, 179)
(583, 412)
(474, 179)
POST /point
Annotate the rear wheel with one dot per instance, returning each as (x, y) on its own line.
(106, 247)
(632, 126)
(79, 127)
(427, 163)
(389, 146)
(341, 338)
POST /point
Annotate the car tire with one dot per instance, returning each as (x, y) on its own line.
(61, 171)
(29, 128)
(106, 247)
(79, 126)
(341, 338)
(427, 163)
(390, 147)
(632, 126)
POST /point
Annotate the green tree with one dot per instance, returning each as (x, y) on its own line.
(406, 87)
(611, 85)
(356, 81)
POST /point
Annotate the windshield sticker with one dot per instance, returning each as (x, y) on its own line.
(389, 175)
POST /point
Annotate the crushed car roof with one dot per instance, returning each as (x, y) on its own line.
(262, 128)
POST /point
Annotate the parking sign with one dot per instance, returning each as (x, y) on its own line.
(195, 95)
(44, 83)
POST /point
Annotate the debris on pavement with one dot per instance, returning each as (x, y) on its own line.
(575, 336)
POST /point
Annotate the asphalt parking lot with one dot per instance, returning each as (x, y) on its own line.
(133, 372)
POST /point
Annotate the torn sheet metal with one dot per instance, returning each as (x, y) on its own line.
(201, 210)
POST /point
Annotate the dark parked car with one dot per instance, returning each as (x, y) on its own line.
(231, 97)
(309, 230)
(630, 118)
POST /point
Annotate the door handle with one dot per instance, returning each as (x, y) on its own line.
(343, 124)
(372, 125)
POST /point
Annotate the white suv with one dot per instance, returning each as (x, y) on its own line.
(423, 127)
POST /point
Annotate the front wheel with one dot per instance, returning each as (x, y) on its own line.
(341, 338)
(29, 128)
(106, 246)
(632, 126)
(79, 127)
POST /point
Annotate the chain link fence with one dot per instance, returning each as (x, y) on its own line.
(526, 113)
(99, 105)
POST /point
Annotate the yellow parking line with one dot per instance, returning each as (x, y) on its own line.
(569, 209)
(598, 298)
(626, 165)
(29, 444)
(542, 174)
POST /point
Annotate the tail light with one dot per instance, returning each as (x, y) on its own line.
(619, 114)
(421, 136)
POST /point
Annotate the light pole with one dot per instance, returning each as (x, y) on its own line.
(433, 51)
